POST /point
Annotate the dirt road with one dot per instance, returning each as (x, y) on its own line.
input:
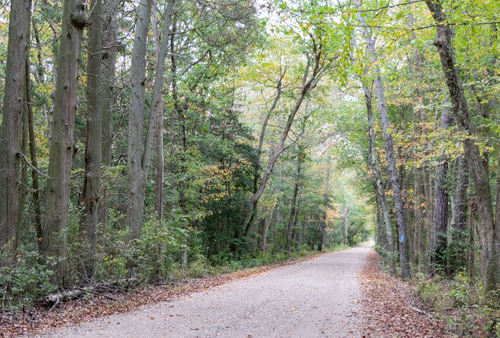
(316, 298)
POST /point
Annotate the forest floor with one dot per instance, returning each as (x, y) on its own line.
(391, 308)
(320, 297)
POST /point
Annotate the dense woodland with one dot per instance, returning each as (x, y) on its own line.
(159, 140)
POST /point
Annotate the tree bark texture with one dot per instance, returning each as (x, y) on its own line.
(108, 69)
(89, 197)
(139, 152)
(160, 161)
(323, 220)
(375, 175)
(288, 245)
(259, 152)
(346, 224)
(389, 147)
(27, 107)
(461, 195)
(440, 219)
(476, 167)
(34, 162)
(62, 145)
(135, 188)
(10, 134)
(266, 228)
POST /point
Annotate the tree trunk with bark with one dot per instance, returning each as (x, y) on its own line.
(315, 70)
(89, 197)
(34, 162)
(323, 220)
(389, 147)
(375, 175)
(440, 219)
(27, 109)
(461, 195)
(62, 145)
(160, 161)
(288, 245)
(108, 70)
(10, 134)
(259, 152)
(139, 151)
(346, 224)
(476, 167)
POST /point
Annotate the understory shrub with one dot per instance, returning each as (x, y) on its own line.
(463, 304)
(23, 278)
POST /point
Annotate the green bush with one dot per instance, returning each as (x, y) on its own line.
(23, 278)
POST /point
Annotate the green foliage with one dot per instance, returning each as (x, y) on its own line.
(23, 278)
(473, 314)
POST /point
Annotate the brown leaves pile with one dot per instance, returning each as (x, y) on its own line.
(39, 319)
(390, 310)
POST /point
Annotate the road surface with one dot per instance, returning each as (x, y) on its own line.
(316, 298)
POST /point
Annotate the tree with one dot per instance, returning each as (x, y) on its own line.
(108, 94)
(389, 147)
(440, 221)
(477, 170)
(292, 218)
(89, 198)
(62, 145)
(13, 105)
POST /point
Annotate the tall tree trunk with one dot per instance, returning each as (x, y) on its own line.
(429, 206)
(108, 69)
(419, 218)
(300, 232)
(312, 74)
(266, 228)
(470, 221)
(381, 238)
(139, 152)
(440, 219)
(23, 186)
(160, 161)
(89, 197)
(135, 172)
(389, 147)
(375, 175)
(10, 134)
(34, 162)
(296, 221)
(183, 144)
(323, 220)
(288, 245)
(27, 107)
(423, 206)
(476, 167)
(256, 174)
(346, 224)
(62, 145)
(461, 192)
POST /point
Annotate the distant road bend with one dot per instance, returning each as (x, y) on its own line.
(316, 298)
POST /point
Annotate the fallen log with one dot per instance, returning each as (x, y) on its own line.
(78, 292)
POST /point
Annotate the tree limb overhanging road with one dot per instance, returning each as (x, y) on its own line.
(317, 298)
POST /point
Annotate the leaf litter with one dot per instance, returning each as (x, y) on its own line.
(39, 318)
(390, 310)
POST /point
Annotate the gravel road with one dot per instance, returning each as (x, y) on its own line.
(317, 298)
